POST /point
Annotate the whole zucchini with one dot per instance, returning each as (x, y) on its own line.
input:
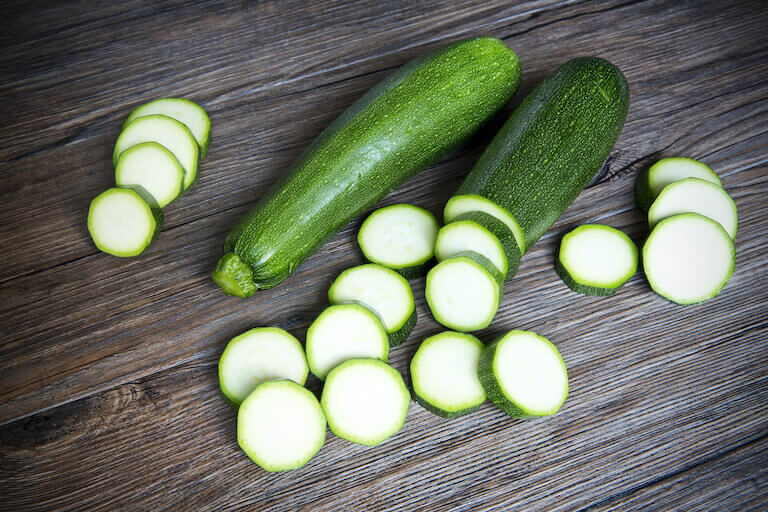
(553, 144)
(408, 121)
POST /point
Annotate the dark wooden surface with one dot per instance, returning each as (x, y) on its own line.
(108, 391)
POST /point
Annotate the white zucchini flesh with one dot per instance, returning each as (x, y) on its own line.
(692, 195)
(122, 223)
(341, 332)
(670, 170)
(474, 203)
(169, 133)
(191, 114)
(688, 258)
(444, 374)
(398, 236)
(667, 171)
(596, 259)
(462, 294)
(152, 167)
(280, 425)
(259, 355)
(524, 374)
(365, 401)
(466, 235)
(383, 290)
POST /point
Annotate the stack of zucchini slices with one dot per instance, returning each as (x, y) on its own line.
(156, 158)
(689, 255)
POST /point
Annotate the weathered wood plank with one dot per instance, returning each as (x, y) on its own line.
(97, 321)
(637, 410)
(737, 480)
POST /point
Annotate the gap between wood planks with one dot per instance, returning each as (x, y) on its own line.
(672, 474)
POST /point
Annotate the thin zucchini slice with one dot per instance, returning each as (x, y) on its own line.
(345, 331)
(503, 234)
(669, 170)
(152, 167)
(365, 401)
(688, 258)
(596, 259)
(185, 111)
(693, 195)
(444, 374)
(475, 203)
(169, 133)
(524, 375)
(280, 425)
(464, 292)
(123, 221)
(401, 237)
(258, 355)
(384, 291)
(467, 235)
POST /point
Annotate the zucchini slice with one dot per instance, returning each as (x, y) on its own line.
(345, 331)
(458, 205)
(169, 133)
(669, 170)
(123, 221)
(688, 258)
(693, 195)
(365, 401)
(596, 259)
(467, 235)
(444, 374)
(464, 292)
(401, 237)
(384, 291)
(185, 111)
(280, 425)
(152, 167)
(503, 234)
(524, 375)
(258, 355)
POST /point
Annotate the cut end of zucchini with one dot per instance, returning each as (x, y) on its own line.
(169, 133)
(524, 375)
(191, 114)
(688, 258)
(342, 332)
(401, 237)
(666, 171)
(464, 292)
(259, 355)
(694, 195)
(280, 426)
(152, 167)
(384, 291)
(596, 259)
(234, 277)
(365, 401)
(122, 222)
(460, 204)
(444, 374)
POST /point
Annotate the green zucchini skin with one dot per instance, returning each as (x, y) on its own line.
(405, 123)
(503, 233)
(553, 144)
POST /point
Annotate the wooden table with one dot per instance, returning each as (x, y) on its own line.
(108, 383)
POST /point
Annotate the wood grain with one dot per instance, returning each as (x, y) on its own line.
(107, 366)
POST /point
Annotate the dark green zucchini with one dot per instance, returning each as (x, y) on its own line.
(553, 144)
(405, 123)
